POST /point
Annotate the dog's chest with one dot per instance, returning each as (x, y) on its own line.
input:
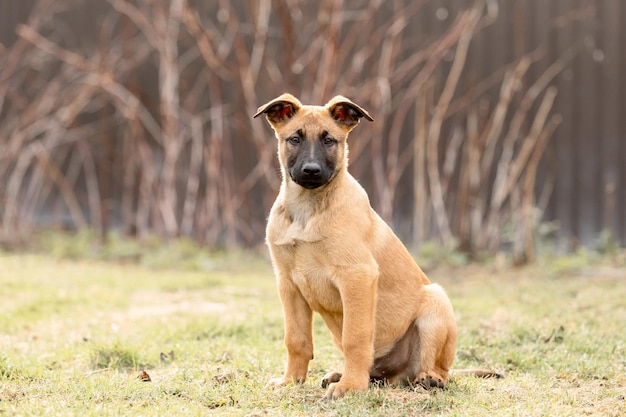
(314, 277)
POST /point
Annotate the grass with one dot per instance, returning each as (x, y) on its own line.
(75, 336)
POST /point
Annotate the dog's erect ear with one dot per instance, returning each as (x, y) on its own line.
(345, 112)
(280, 109)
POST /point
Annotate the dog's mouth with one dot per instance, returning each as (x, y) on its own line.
(309, 184)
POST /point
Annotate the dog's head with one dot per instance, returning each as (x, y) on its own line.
(312, 145)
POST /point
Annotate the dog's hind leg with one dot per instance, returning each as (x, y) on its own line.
(436, 327)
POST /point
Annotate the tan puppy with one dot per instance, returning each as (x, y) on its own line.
(334, 255)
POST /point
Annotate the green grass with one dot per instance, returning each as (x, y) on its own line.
(75, 336)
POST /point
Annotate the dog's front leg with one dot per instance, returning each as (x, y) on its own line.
(358, 296)
(298, 333)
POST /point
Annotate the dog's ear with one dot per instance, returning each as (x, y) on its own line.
(345, 112)
(280, 109)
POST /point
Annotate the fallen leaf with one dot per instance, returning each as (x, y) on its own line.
(144, 376)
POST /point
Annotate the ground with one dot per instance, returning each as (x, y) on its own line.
(75, 337)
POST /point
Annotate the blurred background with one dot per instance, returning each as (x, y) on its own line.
(499, 124)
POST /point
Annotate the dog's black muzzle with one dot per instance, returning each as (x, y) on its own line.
(310, 175)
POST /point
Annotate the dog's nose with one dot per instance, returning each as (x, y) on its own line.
(312, 169)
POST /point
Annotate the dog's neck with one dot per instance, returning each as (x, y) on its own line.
(301, 210)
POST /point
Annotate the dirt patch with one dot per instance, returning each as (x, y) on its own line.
(144, 305)
(160, 303)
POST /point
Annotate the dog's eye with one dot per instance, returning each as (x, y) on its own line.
(294, 140)
(328, 141)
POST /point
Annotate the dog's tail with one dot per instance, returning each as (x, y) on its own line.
(480, 373)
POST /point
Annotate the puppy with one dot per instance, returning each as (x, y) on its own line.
(332, 254)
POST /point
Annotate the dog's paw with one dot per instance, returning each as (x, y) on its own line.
(339, 389)
(430, 380)
(330, 378)
(277, 382)
(282, 381)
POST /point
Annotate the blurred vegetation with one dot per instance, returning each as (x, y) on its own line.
(152, 252)
(185, 254)
(143, 128)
